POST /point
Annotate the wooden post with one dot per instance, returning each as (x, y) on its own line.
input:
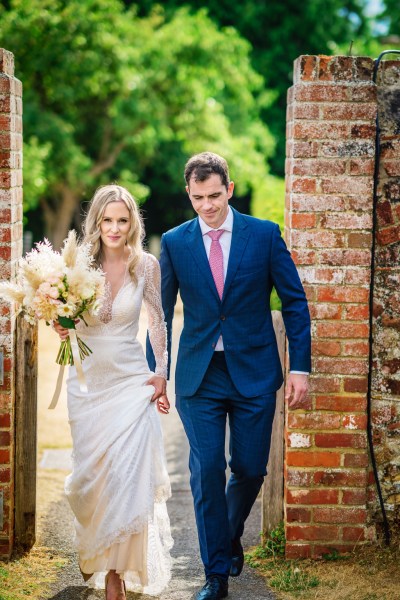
(26, 434)
(272, 491)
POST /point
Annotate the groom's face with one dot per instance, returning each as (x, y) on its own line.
(210, 199)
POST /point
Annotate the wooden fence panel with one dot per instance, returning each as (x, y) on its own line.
(25, 433)
(272, 491)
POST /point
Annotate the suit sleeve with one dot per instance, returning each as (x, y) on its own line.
(294, 304)
(169, 292)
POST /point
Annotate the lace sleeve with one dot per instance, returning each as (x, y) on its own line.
(157, 327)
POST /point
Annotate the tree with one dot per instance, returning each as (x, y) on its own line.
(109, 95)
(279, 32)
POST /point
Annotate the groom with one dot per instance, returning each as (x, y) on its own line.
(224, 264)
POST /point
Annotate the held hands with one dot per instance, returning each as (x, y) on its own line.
(296, 389)
(62, 331)
(160, 394)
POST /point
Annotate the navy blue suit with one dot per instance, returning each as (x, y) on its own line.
(240, 382)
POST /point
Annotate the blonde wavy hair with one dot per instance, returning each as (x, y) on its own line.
(91, 226)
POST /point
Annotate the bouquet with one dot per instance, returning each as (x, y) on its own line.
(58, 286)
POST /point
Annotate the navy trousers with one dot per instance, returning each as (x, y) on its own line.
(220, 509)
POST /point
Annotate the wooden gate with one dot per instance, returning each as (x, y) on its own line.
(272, 491)
(26, 433)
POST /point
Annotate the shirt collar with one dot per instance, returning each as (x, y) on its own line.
(227, 225)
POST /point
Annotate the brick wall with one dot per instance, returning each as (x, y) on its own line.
(386, 373)
(10, 251)
(330, 161)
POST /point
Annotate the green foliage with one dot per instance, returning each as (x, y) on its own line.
(279, 32)
(111, 96)
(293, 579)
(275, 543)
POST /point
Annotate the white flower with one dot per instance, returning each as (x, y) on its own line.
(66, 310)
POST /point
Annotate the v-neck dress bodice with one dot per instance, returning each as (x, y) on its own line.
(119, 484)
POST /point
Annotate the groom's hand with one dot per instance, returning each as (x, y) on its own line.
(296, 389)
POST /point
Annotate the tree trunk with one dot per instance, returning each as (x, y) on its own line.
(58, 220)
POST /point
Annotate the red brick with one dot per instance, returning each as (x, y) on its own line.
(296, 478)
(5, 420)
(4, 457)
(318, 203)
(354, 497)
(363, 131)
(355, 422)
(357, 313)
(346, 221)
(314, 496)
(341, 478)
(350, 112)
(311, 532)
(342, 329)
(345, 366)
(304, 149)
(384, 212)
(392, 167)
(320, 93)
(357, 276)
(353, 534)
(5, 438)
(303, 257)
(304, 184)
(312, 459)
(352, 185)
(326, 348)
(324, 384)
(5, 179)
(356, 460)
(320, 130)
(317, 239)
(342, 294)
(362, 166)
(302, 221)
(389, 235)
(345, 257)
(305, 68)
(5, 252)
(294, 551)
(352, 384)
(5, 475)
(306, 111)
(325, 311)
(301, 515)
(360, 240)
(313, 421)
(340, 440)
(316, 167)
(339, 515)
(341, 403)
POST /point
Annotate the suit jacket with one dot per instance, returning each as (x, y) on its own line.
(258, 260)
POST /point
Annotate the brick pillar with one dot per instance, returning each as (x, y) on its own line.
(386, 373)
(10, 251)
(329, 173)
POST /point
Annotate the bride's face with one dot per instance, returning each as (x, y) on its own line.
(115, 225)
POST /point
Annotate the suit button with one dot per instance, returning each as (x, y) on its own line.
(223, 317)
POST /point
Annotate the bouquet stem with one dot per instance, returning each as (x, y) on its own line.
(65, 356)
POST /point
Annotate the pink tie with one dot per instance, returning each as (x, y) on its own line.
(216, 260)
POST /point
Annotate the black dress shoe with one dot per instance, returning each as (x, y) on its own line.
(214, 589)
(237, 559)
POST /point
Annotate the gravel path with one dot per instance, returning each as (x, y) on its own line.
(56, 531)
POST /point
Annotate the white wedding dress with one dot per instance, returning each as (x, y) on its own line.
(119, 484)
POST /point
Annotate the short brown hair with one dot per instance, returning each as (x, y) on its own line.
(202, 166)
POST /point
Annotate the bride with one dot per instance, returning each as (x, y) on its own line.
(119, 483)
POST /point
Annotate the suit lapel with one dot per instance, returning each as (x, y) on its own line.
(195, 243)
(240, 236)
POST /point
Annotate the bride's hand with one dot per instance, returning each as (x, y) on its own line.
(160, 386)
(62, 331)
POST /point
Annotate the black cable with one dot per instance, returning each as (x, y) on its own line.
(371, 304)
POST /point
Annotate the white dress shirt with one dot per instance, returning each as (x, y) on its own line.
(225, 241)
